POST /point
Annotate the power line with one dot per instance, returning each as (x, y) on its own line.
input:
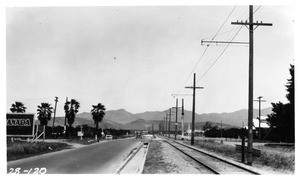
(220, 54)
(219, 50)
(207, 47)
(225, 47)
(222, 33)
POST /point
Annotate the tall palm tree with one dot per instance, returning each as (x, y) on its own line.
(18, 107)
(71, 109)
(44, 112)
(98, 114)
(74, 106)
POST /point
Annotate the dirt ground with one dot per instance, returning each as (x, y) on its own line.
(163, 159)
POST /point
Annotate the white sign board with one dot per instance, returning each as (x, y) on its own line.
(79, 133)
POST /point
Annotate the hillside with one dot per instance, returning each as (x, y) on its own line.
(121, 119)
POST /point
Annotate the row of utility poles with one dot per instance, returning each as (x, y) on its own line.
(168, 115)
(251, 25)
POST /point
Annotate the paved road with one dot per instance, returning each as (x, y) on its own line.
(100, 158)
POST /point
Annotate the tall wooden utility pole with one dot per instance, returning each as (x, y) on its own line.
(182, 118)
(169, 122)
(166, 122)
(221, 130)
(194, 104)
(163, 126)
(259, 113)
(152, 129)
(65, 124)
(56, 99)
(176, 118)
(250, 25)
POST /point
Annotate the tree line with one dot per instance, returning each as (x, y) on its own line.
(281, 120)
(71, 108)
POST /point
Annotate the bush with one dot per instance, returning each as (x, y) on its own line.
(277, 160)
(20, 149)
(210, 145)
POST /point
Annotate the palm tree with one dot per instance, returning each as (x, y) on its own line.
(18, 107)
(71, 109)
(44, 113)
(98, 114)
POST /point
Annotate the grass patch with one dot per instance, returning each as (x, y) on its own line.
(276, 158)
(210, 145)
(23, 149)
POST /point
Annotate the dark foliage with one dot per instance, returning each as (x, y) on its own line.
(282, 120)
(18, 107)
(98, 114)
(71, 109)
(44, 112)
(235, 133)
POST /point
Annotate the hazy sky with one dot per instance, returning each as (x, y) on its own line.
(136, 57)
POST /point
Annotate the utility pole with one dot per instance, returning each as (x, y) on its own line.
(182, 118)
(169, 122)
(65, 125)
(259, 113)
(221, 129)
(56, 99)
(162, 126)
(250, 92)
(194, 104)
(176, 118)
(152, 130)
(165, 126)
(166, 123)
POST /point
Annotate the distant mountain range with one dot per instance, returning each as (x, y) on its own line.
(122, 119)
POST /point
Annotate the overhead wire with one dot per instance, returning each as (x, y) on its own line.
(220, 54)
(207, 48)
(218, 50)
(225, 48)
(222, 33)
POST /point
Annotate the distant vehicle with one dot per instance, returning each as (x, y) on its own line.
(147, 137)
(108, 137)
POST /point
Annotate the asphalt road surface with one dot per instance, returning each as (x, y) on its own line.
(99, 158)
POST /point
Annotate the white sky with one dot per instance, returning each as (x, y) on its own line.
(71, 51)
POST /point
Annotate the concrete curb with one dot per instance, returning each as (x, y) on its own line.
(145, 156)
(134, 164)
(132, 154)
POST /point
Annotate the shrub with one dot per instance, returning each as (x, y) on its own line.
(277, 160)
(19, 149)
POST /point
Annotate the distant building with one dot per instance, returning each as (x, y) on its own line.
(197, 132)
(263, 123)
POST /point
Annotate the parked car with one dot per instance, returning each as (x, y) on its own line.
(108, 137)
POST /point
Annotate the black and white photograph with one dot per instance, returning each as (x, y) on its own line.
(198, 89)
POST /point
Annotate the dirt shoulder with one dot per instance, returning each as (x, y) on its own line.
(162, 159)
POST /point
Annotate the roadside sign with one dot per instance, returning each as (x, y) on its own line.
(79, 133)
(19, 124)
